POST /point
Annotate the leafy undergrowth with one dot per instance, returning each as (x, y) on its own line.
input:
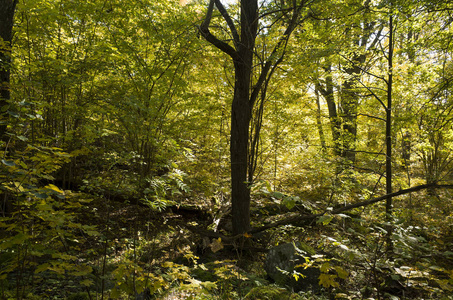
(92, 248)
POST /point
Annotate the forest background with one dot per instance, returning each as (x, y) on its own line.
(155, 147)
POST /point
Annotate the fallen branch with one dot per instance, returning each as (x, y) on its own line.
(294, 220)
(298, 220)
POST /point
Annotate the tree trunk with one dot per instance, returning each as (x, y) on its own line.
(388, 138)
(240, 121)
(335, 122)
(349, 104)
(241, 111)
(349, 116)
(7, 8)
(319, 121)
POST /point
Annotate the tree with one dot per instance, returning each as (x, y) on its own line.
(345, 44)
(247, 89)
(104, 81)
(7, 9)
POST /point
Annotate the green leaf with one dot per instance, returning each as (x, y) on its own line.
(209, 285)
(328, 280)
(8, 163)
(278, 195)
(268, 187)
(40, 195)
(24, 103)
(22, 138)
(289, 202)
(86, 282)
(325, 219)
(13, 114)
(342, 273)
(42, 268)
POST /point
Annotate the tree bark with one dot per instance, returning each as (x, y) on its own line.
(241, 110)
(7, 9)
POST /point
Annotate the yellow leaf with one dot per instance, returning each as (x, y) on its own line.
(342, 273)
(54, 188)
(216, 245)
(328, 280)
(444, 284)
(325, 267)
(247, 235)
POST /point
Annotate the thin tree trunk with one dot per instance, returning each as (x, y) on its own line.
(7, 9)
(319, 121)
(335, 122)
(388, 137)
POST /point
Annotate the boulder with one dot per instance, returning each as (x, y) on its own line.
(283, 260)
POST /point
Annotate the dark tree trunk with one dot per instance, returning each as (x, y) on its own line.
(7, 8)
(349, 105)
(241, 112)
(240, 121)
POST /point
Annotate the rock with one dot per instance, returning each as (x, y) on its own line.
(286, 257)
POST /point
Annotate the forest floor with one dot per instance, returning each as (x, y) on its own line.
(135, 252)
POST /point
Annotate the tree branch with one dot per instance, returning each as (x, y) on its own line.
(374, 94)
(229, 22)
(204, 31)
(372, 117)
(207, 19)
(282, 43)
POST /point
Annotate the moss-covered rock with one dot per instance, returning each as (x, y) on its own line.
(281, 266)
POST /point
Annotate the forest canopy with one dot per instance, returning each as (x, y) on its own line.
(162, 148)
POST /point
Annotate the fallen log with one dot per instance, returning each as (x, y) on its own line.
(294, 220)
